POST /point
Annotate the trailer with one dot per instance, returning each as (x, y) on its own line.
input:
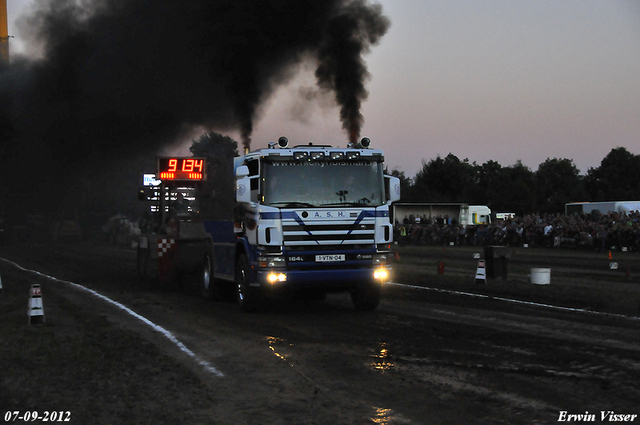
(443, 213)
(602, 207)
(309, 218)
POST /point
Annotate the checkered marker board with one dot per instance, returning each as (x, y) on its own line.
(164, 245)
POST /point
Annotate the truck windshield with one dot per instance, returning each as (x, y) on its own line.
(294, 184)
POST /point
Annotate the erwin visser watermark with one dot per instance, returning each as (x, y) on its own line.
(603, 416)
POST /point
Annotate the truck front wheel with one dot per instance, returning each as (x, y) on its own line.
(246, 295)
(366, 297)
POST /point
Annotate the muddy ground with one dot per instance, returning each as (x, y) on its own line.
(424, 357)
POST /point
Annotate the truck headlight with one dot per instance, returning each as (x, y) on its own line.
(276, 277)
(317, 156)
(301, 156)
(381, 274)
(265, 261)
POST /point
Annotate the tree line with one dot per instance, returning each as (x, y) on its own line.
(514, 188)
(517, 188)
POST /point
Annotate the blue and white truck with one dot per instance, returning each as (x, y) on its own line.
(309, 217)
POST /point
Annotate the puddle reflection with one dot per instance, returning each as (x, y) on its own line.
(272, 340)
(388, 417)
(382, 416)
(382, 359)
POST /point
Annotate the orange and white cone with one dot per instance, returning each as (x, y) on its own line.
(36, 310)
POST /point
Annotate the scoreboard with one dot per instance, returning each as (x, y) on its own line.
(181, 169)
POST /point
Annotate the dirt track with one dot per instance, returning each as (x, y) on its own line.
(423, 357)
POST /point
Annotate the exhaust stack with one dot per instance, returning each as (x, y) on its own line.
(4, 34)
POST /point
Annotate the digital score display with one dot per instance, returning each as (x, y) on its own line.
(181, 169)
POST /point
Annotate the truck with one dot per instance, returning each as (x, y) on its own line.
(311, 218)
(478, 214)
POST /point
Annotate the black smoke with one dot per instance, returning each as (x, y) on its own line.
(342, 69)
(119, 79)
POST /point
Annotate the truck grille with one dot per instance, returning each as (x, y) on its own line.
(325, 234)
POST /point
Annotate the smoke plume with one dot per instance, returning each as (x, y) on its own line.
(342, 69)
(117, 79)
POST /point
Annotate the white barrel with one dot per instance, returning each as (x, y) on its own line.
(540, 276)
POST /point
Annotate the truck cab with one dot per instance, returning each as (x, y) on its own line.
(312, 217)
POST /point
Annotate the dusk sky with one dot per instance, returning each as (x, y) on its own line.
(484, 80)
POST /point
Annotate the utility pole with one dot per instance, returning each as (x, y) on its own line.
(4, 35)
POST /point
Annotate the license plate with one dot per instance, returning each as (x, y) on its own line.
(329, 258)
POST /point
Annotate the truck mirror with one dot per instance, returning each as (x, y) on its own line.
(242, 171)
(392, 189)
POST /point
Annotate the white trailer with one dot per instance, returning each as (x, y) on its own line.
(446, 213)
(603, 207)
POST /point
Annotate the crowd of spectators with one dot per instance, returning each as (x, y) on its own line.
(594, 231)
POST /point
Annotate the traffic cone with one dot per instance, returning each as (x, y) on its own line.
(481, 272)
(610, 257)
(36, 311)
(397, 256)
(440, 267)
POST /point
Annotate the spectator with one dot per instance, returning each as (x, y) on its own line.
(588, 231)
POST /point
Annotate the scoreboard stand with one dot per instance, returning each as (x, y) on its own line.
(172, 249)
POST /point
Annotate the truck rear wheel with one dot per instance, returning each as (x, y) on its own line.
(208, 288)
(246, 295)
(143, 264)
(144, 268)
(366, 297)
